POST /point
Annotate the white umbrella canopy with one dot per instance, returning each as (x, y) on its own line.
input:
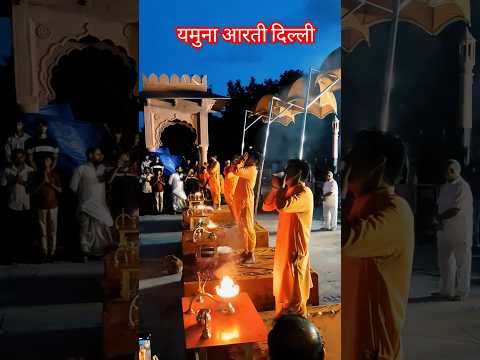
(430, 15)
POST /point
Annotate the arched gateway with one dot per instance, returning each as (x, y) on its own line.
(174, 100)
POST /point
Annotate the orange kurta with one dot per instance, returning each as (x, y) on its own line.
(229, 185)
(291, 266)
(203, 177)
(376, 269)
(214, 183)
(244, 203)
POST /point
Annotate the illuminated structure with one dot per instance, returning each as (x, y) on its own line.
(45, 31)
(181, 100)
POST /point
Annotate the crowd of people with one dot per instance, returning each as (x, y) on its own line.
(38, 193)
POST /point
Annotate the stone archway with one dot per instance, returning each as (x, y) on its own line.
(180, 138)
(44, 31)
(64, 48)
(98, 80)
(185, 99)
(166, 124)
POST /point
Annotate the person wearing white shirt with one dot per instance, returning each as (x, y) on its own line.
(330, 202)
(16, 141)
(145, 163)
(88, 182)
(179, 196)
(455, 234)
(17, 180)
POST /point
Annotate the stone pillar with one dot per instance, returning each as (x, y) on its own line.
(149, 123)
(467, 61)
(25, 57)
(203, 131)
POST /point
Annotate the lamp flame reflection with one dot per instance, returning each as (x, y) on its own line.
(230, 335)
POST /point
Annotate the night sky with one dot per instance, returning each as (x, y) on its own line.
(161, 52)
(5, 39)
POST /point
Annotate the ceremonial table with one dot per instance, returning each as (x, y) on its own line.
(220, 216)
(254, 279)
(244, 327)
(225, 236)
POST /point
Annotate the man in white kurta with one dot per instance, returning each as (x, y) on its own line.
(454, 239)
(178, 192)
(330, 202)
(88, 182)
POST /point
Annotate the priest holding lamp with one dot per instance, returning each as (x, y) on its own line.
(291, 268)
(244, 203)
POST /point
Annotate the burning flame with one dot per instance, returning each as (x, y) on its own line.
(227, 288)
(211, 225)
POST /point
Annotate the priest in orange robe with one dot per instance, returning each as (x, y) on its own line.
(229, 185)
(244, 202)
(214, 181)
(377, 249)
(291, 267)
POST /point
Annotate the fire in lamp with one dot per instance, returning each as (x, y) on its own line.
(227, 290)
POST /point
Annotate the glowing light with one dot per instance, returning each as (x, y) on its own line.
(227, 288)
(211, 225)
(230, 335)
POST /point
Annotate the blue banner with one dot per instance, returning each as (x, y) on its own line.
(170, 162)
(73, 137)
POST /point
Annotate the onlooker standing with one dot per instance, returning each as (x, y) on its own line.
(158, 189)
(178, 193)
(455, 217)
(17, 179)
(330, 202)
(192, 184)
(124, 187)
(41, 146)
(145, 163)
(147, 192)
(47, 190)
(16, 141)
(157, 165)
(88, 182)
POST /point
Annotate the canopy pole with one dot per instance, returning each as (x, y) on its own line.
(384, 121)
(335, 134)
(259, 188)
(243, 135)
(305, 113)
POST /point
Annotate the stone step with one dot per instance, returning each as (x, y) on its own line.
(51, 284)
(42, 318)
(51, 331)
(60, 344)
(160, 244)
